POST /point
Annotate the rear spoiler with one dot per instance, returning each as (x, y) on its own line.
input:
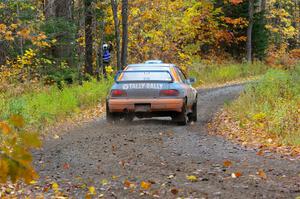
(121, 72)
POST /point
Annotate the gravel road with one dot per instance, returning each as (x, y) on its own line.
(160, 152)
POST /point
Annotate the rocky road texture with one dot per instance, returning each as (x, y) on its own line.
(160, 152)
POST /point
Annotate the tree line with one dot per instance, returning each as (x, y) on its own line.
(51, 40)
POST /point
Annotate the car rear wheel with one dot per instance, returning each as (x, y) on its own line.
(182, 117)
(111, 117)
(193, 115)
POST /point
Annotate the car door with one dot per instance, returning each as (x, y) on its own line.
(186, 86)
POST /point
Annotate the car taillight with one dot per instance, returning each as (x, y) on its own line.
(118, 93)
(170, 92)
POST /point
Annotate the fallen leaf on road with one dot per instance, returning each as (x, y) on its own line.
(192, 178)
(92, 190)
(260, 153)
(145, 185)
(236, 175)
(104, 182)
(66, 166)
(171, 176)
(262, 174)
(56, 137)
(227, 163)
(129, 184)
(174, 191)
(55, 187)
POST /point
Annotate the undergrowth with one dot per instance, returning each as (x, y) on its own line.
(47, 105)
(272, 105)
(218, 74)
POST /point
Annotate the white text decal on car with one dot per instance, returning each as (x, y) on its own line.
(142, 86)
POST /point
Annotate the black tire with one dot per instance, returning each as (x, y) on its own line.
(194, 116)
(182, 117)
(111, 117)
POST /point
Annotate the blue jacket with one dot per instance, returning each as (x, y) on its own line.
(106, 56)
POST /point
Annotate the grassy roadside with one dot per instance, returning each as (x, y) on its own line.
(42, 107)
(210, 75)
(267, 114)
(45, 106)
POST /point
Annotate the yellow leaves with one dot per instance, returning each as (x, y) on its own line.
(192, 178)
(145, 185)
(25, 33)
(92, 190)
(104, 182)
(4, 171)
(109, 69)
(8, 36)
(55, 187)
(3, 28)
(13, 26)
(259, 116)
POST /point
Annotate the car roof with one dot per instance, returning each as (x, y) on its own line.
(151, 65)
(154, 61)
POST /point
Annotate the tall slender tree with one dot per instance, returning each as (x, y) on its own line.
(114, 6)
(88, 37)
(124, 32)
(249, 30)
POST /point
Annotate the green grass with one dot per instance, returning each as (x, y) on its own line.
(273, 104)
(51, 104)
(218, 74)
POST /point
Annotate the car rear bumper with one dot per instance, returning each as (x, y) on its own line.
(156, 105)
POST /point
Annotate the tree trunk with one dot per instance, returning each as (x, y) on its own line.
(63, 10)
(100, 67)
(249, 31)
(124, 32)
(114, 6)
(88, 37)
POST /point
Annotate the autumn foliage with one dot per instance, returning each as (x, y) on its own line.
(15, 156)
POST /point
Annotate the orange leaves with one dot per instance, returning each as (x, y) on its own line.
(262, 174)
(129, 184)
(237, 22)
(25, 33)
(17, 121)
(227, 163)
(4, 128)
(145, 185)
(236, 175)
(15, 145)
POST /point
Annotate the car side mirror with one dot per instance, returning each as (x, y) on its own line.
(117, 75)
(191, 80)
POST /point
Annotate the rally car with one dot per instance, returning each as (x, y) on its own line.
(152, 90)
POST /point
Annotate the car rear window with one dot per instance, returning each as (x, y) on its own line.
(145, 76)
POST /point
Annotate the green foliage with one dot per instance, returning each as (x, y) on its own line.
(45, 107)
(260, 38)
(15, 156)
(276, 97)
(223, 73)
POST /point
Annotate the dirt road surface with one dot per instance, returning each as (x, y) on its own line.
(160, 152)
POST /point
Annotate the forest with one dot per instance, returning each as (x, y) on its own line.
(52, 68)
